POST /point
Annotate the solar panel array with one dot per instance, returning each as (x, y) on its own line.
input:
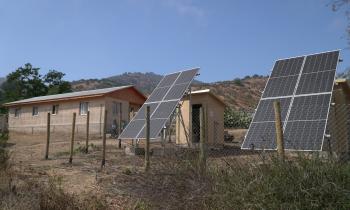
(304, 86)
(162, 103)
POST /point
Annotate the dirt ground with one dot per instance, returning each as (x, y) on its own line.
(122, 181)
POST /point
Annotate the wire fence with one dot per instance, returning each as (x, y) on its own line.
(193, 176)
(178, 137)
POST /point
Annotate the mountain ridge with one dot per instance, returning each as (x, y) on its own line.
(240, 94)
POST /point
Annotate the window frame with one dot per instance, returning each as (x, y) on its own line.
(55, 109)
(35, 108)
(80, 108)
(18, 112)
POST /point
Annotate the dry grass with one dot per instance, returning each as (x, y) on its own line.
(234, 180)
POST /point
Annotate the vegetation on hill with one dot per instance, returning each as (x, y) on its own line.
(238, 94)
(27, 82)
(145, 82)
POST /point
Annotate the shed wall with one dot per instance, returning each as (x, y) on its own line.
(215, 113)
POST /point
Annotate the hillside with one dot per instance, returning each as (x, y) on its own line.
(240, 94)
(145, 82)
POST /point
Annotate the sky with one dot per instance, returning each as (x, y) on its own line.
(225, 38)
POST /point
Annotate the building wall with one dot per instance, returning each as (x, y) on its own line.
(62, 122)
(26, 123)
(215, 115)
(118, 111)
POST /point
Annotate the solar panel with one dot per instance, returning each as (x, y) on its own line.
(280, 86)
(260, 136)
(304, 135)
(287, 67)
(162, 102)
(314, 107)
(316, 82)
(265, 112)
(305, 96)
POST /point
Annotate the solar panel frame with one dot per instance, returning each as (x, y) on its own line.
(271, 91)
(310, 107)
(268, 131)
(335, 56)
(161, 85)
(158, 94)
(304, 133)
(265, 109)
(318, 82)
(142, 111)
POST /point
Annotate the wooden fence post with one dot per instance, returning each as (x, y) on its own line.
(48, 135)
(279, 131)
(87, 132)
(104, 140)
(163, 136)
(72, 139)
(202, 142)
(120, 124)
(148, 121)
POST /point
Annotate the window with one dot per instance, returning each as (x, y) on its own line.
(115, 108)
(54, 109)
(35, 111)
(84, 107)
(17, 112)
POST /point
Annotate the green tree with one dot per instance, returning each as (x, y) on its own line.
(55, 83)
(24, 82)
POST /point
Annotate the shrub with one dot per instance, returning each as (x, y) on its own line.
(236, 119)
(238, 82)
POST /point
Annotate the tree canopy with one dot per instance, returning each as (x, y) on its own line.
(27, 82)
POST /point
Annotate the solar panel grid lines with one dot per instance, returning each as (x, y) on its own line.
(280, 86)
(142, 111)
(261, 137)
(319, 73)
(304, 135)
(287, 67)
(328, 61)
(265, 110)
(294, 92)
(308, 110)
(168, 79)
(310, 107)
(163, 102)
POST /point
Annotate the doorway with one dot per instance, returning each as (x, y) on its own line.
(196, 123)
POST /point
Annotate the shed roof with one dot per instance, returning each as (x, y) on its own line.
(208, 91)
(73, 95)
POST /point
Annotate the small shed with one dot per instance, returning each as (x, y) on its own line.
(188, 119)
